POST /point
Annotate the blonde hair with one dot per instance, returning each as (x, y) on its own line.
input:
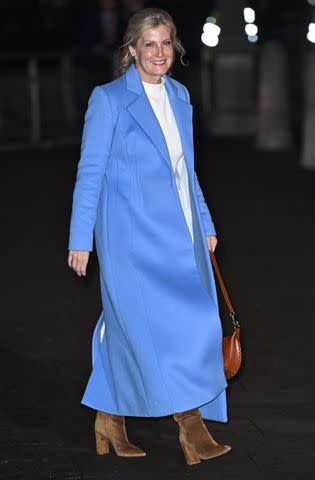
(140, 21)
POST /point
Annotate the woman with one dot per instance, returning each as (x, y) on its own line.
(157, 347)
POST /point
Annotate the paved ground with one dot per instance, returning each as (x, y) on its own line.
(263, 206)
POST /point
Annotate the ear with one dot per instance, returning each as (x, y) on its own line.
(132, 50)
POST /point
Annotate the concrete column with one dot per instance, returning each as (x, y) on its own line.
(308, 145)
(273, 123)
(233, 82)
(34, 92)
(67, 90)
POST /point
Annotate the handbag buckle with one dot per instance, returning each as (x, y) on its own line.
(234, 321)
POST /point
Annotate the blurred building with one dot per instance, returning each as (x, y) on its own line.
(55, 51)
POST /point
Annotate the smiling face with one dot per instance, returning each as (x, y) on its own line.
(154, 53)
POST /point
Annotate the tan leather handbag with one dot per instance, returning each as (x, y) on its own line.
(232, 351)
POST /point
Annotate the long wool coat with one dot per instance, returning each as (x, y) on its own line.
(157, 347)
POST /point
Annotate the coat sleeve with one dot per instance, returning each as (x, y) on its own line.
(205, 214)
(95, 148)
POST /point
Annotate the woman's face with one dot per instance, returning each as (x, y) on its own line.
(154, 53)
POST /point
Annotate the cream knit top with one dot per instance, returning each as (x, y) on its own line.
(160, 103)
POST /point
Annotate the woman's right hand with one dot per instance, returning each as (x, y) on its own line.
(78, 260)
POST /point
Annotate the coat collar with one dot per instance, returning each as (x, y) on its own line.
(141, 110)
(134, 83)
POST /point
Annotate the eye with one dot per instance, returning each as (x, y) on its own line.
(167, 42)
(149, 44)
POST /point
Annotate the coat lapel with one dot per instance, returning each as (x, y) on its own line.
(143, 113)
(141, 110)
(183, 116)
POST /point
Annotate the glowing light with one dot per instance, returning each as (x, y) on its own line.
(209, 40)
(311, 33)
(252, 38)
(311, 2)
(311, 37)
(212, 19)
(211, 32)
(251, 29)
(211, 29)
(249, 15)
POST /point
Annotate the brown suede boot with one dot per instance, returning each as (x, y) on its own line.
(111, 429)
(196, 441)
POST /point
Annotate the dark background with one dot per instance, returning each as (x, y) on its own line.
(252, 159)
(51, 24)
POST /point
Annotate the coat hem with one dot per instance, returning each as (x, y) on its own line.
(167, 412)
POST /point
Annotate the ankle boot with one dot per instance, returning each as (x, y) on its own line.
(196, 441)
(110, 429)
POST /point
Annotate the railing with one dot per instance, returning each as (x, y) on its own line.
(43, 96)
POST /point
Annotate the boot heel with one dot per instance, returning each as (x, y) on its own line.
(191, 455)
(102, 444)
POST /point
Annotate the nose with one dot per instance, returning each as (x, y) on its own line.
(159, 51)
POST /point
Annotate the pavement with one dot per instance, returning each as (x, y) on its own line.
(263, 206)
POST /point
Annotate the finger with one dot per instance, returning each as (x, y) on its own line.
(84, 264)
(82, 267)
(76, 266)
(78, 271)
(70, 260)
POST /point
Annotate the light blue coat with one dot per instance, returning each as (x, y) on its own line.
(161, 349)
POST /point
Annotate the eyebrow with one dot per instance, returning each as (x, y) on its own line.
(154, 41)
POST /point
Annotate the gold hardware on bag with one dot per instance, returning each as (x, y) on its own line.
(232, 351)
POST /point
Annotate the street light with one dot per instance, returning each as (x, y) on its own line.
(211, 32)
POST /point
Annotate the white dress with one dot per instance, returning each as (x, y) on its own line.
(160, 103)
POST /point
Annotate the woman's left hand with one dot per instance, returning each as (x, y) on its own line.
(212, 242)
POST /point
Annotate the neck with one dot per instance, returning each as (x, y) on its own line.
(148, 78)
(153, 83)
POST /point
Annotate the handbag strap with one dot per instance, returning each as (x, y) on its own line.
(225, 294)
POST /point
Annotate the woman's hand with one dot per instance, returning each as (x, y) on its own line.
(78, 260)
(212, 242)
